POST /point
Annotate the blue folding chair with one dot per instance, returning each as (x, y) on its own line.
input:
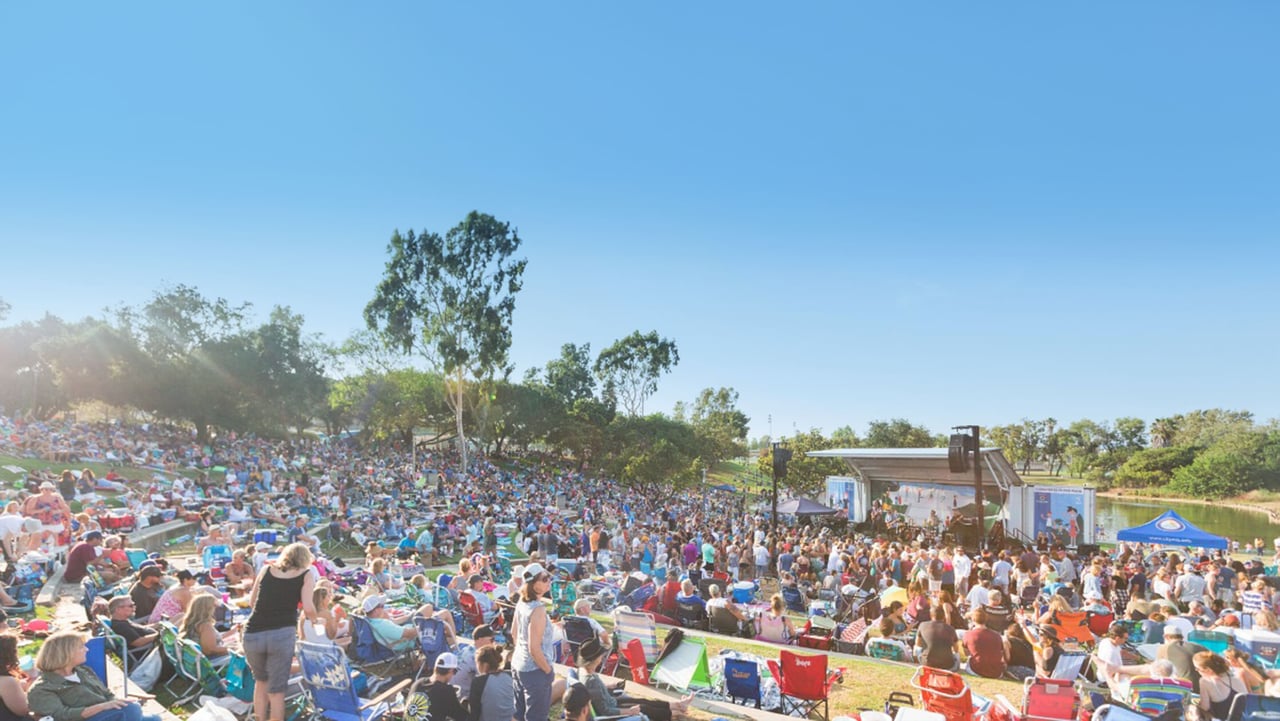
(1253, 707)
(365, 651)
(326, 679)
(742, 680)
(432, 641)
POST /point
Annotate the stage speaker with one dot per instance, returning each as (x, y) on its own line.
(781, 456)
(958, 452)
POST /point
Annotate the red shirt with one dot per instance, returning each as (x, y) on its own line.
(986, 652)
(78, 560)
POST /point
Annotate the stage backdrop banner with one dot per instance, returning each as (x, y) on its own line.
(1058, 516)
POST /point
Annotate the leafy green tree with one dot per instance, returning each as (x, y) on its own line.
(92, 360)
(1085, 441)
(898, 433)
(719, 425)
(629, 369)
(1153, 467)
(27, 378)
(1237, 463)
(805, 476)
(845, 437)
(1055, 446)
(1203, 428)
(653, 454)
(450, 299)
(288, 371)
(569, 377)
(523, 413)
(581, 434)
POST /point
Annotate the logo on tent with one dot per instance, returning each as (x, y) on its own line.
(1171, 525)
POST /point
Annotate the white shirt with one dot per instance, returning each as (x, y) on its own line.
(963, 565)
(761, 555)
(978, 596)
(1109, 654)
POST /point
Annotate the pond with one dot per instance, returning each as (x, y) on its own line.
(1115, 514)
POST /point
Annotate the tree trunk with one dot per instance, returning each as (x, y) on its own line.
(459, 398)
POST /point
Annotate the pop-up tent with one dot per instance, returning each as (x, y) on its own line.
(804, 507)
(1170, 529)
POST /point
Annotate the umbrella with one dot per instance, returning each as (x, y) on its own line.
(891, 594)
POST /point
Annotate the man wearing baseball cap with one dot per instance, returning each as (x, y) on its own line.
(146, 591)
(482, 636)
(401, 634)
(442, 695)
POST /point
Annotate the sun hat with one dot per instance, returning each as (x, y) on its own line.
(591, 649)
(373, 602)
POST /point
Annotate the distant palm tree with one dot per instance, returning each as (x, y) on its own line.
(1162, 431)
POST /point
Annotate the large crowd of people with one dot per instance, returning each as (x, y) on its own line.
(1135, 616)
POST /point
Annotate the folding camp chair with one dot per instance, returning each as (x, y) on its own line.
(684, 667)
(577, 630)
(1048, 699)
(192, 673)
(794, 599)
(818, 633)
(691, 615)
(853, 637)
(1072, 627)
(946, 693)
(432, 641)
(1069, 666)
(1154, 696)
(366, 653)
(326, 679)
(1107, 712)
(630, 625)
(721, 620)
(888, 649)
(742, 680)
(804, 682)
(1253, 707)
(564, 593)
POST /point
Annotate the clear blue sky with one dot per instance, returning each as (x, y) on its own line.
(949, 212)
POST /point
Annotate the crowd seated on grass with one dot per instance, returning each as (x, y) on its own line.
(1137, 614)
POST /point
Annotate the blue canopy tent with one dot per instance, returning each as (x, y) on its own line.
(1170, 529)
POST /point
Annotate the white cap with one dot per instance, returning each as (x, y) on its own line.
(373, 602)
(533, 570)
(262, 546)
(446, 660)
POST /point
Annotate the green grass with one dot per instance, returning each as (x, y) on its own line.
(132, 473)
(867, 681)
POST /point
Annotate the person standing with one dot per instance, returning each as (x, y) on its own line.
(272, 630)
(534, 645)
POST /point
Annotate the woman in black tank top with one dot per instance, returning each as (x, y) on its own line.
(272, 630)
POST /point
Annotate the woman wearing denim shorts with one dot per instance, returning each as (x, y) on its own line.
(271, 633)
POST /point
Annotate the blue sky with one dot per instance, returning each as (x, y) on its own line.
(953, 213)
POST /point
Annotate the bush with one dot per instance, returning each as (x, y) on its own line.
(1153, 467)
(1236, 464)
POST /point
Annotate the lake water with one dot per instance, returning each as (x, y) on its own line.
(1243, 526)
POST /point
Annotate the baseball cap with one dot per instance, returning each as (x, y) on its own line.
(533, 570)
(262, 546)
(446, 660)
(150, 571)
(372, 602)
(93, 536)
(49, 485)
(1172, 632)
(484, 630)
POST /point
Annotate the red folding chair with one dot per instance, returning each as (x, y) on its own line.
(944, 692)
(1050, 699)
(805, 682)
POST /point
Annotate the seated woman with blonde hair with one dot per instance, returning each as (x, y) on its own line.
(68, 690)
